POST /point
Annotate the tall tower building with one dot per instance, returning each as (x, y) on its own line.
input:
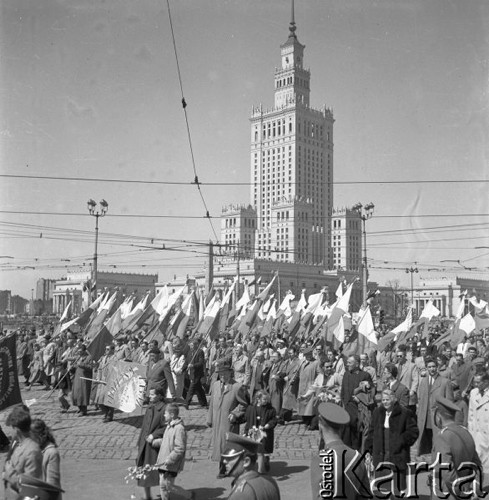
(346, 227)
(292, 167)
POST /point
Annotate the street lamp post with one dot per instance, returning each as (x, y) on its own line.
(365, 213)
(412, 270)
(92, 210)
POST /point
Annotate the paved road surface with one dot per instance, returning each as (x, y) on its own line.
(95, 456)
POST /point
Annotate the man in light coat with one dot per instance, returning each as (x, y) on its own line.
(431, 387)
(227, 407)
(478, 421)
(408, 375)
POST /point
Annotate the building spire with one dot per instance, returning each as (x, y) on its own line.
(292, 26)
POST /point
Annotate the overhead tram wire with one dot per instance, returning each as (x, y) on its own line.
(200, 183)
(174, 216)
(394, 232)
(184, 106)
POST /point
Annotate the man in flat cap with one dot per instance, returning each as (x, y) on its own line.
(227, 407)
(239, 459)
(453, 445)
(337, 471)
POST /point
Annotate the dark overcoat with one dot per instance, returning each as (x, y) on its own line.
(153, 423)
(257, 416)
(403, 433)
(82, 387)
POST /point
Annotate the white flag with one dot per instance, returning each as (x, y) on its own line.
(467, 324)
(366, 325)
(430, 311)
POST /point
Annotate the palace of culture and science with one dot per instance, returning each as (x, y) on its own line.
(290, 226)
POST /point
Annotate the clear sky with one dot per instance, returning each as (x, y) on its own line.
(90, 89)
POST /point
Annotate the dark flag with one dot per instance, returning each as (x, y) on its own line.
(9, 381)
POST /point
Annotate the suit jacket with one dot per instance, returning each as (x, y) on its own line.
(197, 359)
(159, 375)
(402, 393)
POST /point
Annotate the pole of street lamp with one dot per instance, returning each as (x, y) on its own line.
(104, 206)
(365, 213)
(412, 270)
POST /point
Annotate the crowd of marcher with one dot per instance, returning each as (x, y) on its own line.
(394, 398)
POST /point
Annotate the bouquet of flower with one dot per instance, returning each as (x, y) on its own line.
(140, 472)
(257, 434)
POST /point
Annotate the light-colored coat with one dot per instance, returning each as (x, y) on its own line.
(440, 387)
(408, 375)
(173, 446)
(309, 370)
(51, 465)
(224, 402)
(478, 425)
(26, 459)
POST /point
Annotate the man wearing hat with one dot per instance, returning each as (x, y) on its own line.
(239, 459)
(345, 482)
(452, 445)
(227, 407)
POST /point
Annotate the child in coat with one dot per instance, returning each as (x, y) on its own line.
(261, 419)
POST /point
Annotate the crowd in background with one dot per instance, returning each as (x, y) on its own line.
(261, 382)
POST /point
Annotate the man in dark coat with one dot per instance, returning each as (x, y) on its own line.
(431, 386)
(334, 456)
(153, 427)
(454, 445)
(392, 432)
(195, 362)
(82, 382)
(352, 379)
(159, 373)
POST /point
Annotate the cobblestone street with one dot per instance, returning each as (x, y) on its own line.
(101, 452)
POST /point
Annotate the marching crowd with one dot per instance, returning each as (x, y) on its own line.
(390, 399)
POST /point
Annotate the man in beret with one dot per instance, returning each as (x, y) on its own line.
(227, 407)
(452, 445)
(345, 482)
(239, 459)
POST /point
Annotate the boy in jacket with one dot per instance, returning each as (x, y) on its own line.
(171, 456)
